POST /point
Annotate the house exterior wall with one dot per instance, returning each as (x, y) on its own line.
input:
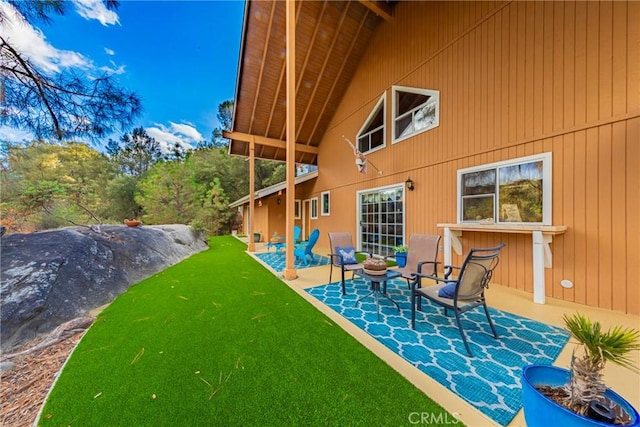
(515, 79)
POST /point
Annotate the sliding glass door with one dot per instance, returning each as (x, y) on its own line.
(381, 219)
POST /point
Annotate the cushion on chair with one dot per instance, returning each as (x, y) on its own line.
(348, 254)
(447, 291)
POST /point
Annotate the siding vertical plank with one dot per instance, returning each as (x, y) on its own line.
(568, 213)
(633, 216)
(506, 75)
(593, 61)
(633, 57)
(580, 218)
(580, 110)
(520, 72)
(534, 60)
(548, 69)
(618, 216)
(606, 50)
(568, 81)
(498, 87)
(513, 71)
(487, 83)
(558, 77)
(619, 60)
(604, 203)
(591, 228)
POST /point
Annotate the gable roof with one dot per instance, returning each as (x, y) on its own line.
(331, 37)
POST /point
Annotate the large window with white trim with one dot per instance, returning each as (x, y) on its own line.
(381, 219)
(414, 111)
(516, 191)
(372, 134)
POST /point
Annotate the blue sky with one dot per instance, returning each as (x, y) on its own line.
(180, 57)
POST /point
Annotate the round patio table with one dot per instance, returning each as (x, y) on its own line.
(376, 280)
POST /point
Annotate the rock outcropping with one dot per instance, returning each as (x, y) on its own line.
(50, 277)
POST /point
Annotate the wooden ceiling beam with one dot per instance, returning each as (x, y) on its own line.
(262, 64)
(335, 81)
(324, 67)
(281, 80)
(306, 59)
(268, 142)
(381, 9)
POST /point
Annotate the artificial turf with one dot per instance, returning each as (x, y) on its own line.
(219, 340)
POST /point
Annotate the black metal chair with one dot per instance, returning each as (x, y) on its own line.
(463, 293)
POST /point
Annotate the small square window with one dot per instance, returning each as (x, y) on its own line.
(325, 203)
(296, 209)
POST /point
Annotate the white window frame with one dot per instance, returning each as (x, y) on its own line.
(313, 208)
(546, 159)
(394, 106)
(297, 209)
(326, 194)
(372, 114)
(359, 211)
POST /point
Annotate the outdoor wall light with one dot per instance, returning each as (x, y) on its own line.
(409, 184)
(259, 202)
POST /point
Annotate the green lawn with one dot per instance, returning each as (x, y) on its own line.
(219, 340)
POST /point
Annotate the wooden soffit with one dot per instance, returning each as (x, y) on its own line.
(331, 37)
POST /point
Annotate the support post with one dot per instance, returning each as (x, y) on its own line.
(252, 186)
(538, 267)
(289, 271)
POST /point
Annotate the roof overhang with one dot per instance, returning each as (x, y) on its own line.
(331, 37)
(267, 191)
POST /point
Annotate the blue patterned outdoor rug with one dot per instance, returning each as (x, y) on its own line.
(490, 380)
(276, 260)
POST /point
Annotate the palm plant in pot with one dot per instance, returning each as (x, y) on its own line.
(579, 396)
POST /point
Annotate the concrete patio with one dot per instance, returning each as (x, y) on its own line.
(622, 380)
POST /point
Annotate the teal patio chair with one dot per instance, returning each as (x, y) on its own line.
(304, 250)
(282, 244)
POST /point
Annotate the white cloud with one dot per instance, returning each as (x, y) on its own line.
(11, 134)
(95, 9)
(184, 135)
(187, 130)
(113, 69)
(32, 43)
(109, 52)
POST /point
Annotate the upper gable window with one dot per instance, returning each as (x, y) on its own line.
(414, 111)
(372, 135)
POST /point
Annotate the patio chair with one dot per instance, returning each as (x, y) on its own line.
(343, 255)
(305, 249)
(422, 257)
(463, 293)
(281, 244)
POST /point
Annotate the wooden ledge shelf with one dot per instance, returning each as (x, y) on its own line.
(542, 237)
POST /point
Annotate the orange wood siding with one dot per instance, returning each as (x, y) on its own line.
(515, 79)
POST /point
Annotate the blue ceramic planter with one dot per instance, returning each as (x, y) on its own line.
(542, 411)
(401, 259)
